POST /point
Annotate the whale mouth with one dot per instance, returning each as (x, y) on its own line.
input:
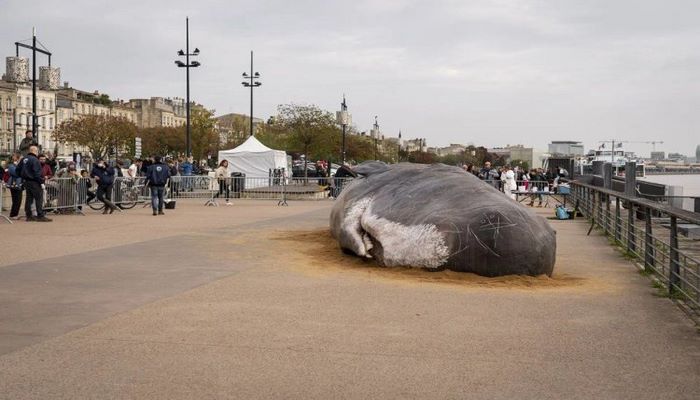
(393, 243)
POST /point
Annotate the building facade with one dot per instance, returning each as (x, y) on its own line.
(566, 148)
(8, 101)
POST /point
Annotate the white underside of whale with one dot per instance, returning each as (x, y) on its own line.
(421, 245)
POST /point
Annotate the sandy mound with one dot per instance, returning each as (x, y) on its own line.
(320, 253)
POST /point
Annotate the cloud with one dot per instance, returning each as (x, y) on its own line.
(488, 72)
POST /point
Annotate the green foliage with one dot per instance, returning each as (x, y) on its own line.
(99, 133)
(172, 140)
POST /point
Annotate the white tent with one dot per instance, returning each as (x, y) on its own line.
(253, 158)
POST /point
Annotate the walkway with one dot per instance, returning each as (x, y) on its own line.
(219, 303)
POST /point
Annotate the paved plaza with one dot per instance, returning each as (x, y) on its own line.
(253, 301)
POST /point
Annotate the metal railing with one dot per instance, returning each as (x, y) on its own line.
(648, 232)
(73, 195)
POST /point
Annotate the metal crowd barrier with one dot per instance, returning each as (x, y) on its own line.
(71, 195)
(282, 189)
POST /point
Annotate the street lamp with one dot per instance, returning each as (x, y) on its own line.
(375, 134)
(34, 49)
(187, 65)
(398, 150)
(253, 77)
(344, 119)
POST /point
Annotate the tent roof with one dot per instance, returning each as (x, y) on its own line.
(251, 145)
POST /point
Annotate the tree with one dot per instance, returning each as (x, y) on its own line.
(162, 140)
(204, 139)
(309, 129)
(99, 133)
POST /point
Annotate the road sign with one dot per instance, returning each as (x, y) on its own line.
(137, 147)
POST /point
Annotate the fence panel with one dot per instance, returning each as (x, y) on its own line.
(648, 232)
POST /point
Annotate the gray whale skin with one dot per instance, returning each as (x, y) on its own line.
(439, 217)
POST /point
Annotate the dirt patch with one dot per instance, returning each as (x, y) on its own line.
(316, 252)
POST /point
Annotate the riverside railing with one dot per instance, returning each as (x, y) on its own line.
(649, 232)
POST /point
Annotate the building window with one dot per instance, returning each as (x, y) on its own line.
(28, 102)
(28, 120)
(43, 122)
(50, 122)
(9, 104)
(43, 104)
(82, 106)
(19, 102)
(9, 125)
(50, 104)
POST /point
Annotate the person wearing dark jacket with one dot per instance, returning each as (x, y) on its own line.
(30, 171)
(156, 178)
(15, 185)
(104, 176)
(27, 142)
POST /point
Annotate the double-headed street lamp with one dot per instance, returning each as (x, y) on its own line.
(344, 119)
(187, 65)
(253, 78)
(34, 49)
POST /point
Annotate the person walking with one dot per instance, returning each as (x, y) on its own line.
(15, 185)
(104, 176)
(33, 180)
(156, 178)
(223, 177)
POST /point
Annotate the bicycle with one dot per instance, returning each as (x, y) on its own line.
(129, 197)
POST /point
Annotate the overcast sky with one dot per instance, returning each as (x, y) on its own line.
(491, 72)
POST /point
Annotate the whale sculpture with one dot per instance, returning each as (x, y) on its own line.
(439, 217)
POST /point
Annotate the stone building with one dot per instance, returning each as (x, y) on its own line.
(235, 128)
(158, 111)
(8, 101)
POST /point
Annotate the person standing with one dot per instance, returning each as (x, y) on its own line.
(26, 143)
(33, 180)
(510, 185)
(104, 176)
(489, 174)
(156, 178)
(223, 177)
(15, 185)
(133, 170)
(186, 170)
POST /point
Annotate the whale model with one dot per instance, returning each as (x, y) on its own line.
(439, 217)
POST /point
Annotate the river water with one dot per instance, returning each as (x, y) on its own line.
(690, 184)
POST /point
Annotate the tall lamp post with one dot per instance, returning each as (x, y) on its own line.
(375, 134)
(34, 49)
(253, 78)
(344, 119)
(398, 149)
(187, 65)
